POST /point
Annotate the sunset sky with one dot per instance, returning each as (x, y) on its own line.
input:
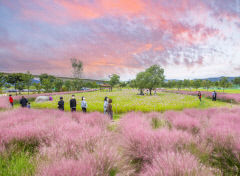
(188, 38)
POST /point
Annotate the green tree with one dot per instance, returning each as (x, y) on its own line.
(68, 85)
(179, 84)
(114, 80)
(197, 83)
(236, 81)
(2, 80)
(206, 84)
(58, 85)
(27, 79)
(38, 87)
(224, 83)
(47, 82)
(133, 84)
(186, 83)
(152, 78)
(17, 80)
(141, 81)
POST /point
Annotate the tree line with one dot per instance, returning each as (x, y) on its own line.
(47, 83)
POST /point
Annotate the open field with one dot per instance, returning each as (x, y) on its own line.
(54, 143)
(128, 100)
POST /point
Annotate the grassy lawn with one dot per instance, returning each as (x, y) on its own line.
(128, 100)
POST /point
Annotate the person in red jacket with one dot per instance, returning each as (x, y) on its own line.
(11, 100)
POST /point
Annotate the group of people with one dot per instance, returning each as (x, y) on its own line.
(214, 96)
(23, 102)
(73, 105)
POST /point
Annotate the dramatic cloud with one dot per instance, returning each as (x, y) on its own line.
(189, 38)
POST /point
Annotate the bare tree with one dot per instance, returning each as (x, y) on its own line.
(77, 66)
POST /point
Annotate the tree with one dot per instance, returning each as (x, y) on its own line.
(58, 85)
(114, 80)
(179, 84)
(186, 83)
(17, 80)
(2, 80)
(38, 87)
(141, 81)
(224, 83)
(69, 85)
(77, 66)
(133, 84)
(206, 84)
(197, 83)
(77, 84)
(236, 81)
(27, 79)
(47, 82)
(154, 77)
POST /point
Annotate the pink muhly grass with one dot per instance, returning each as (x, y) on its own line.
(175, 164)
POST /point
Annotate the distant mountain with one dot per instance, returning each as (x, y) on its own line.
(214, 79)
(219, 78)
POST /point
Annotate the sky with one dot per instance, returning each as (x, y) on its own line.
(188, 38)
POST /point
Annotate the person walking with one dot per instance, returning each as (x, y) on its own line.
(199, 96)
(23, 102)
(73, 104)
(109, 109)
(61, 104)
(84, 105)
(105, 106)
(11, 100)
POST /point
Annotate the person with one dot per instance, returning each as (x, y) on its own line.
(50, 98)
(11, 100)
(200, 95)
(61, 104)
(105, 105)
(73, 104)
(109, 109)
(84, 105)
(155, 92)
(28, 105)
(23, 102)
(215, 95)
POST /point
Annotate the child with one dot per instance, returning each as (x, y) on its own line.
(28, 105)
(11, 100)
(84, 105)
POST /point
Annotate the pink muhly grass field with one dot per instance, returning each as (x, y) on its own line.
(83, 144)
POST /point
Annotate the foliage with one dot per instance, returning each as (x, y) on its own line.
(114, 80)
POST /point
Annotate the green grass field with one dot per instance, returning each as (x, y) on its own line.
(128, 100)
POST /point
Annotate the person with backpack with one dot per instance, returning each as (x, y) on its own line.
(61, 104)
(23, 102)
(84, 105)
(73, 104)
(199, 96)
(109, 109)
(11, 100)
(105, 106)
